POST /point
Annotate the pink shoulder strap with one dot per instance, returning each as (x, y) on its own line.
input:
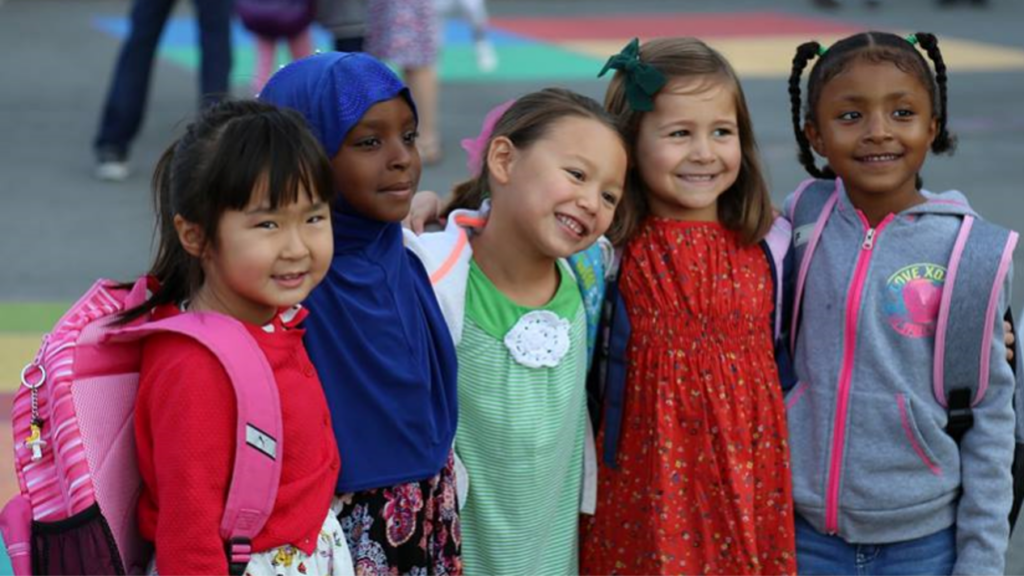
(952, 269)
(805, 260)
(779, 240)
(259, 437)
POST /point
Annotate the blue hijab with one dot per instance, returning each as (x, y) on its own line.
(376, 334)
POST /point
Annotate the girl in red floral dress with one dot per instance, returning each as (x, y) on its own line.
(695, 475)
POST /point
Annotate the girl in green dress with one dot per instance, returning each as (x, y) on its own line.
(548, 178)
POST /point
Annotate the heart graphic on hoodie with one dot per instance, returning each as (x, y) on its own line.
(921, 297)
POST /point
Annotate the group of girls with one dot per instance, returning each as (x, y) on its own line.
(449, 370)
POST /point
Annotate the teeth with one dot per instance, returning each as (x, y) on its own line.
(698, 177)
(880, 158)
(571, 223)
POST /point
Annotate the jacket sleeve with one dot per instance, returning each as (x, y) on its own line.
(986, 456)
(192, 414)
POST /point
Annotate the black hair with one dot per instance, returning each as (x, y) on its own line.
(875, 47)
(225, 155)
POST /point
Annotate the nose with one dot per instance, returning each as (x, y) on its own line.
(878, 128)
(402, 154)
(295, 246)
(700, 151)
(589, 199)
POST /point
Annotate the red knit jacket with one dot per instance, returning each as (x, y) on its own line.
(185, 433)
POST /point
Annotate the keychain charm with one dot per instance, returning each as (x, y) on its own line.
(35, 442)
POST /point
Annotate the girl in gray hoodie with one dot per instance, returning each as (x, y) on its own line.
(879, 485)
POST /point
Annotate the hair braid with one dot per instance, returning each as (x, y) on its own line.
(804, 54)
(944, 141)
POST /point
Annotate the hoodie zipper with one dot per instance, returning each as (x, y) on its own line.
(856, 295)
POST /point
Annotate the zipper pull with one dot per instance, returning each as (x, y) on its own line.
(869, 240)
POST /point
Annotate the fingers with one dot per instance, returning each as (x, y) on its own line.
(1009, 340)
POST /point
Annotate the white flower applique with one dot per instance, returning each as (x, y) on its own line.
(539, 339)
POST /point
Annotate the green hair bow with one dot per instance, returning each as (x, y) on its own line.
(642, 80)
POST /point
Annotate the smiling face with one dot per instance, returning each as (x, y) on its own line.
(377, 168)
(265, 259)
(558, 195)
(874, 124)
(688, 148)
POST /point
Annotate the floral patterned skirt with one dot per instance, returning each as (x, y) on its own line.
(330, 558)
(410, 528)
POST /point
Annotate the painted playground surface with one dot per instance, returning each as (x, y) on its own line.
(561, 49)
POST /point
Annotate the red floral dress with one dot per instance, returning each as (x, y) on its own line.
(703, 479)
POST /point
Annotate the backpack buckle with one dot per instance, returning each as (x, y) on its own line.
(239, 551)
(960, 416)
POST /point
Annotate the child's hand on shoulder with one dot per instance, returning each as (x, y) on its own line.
(1009, 339)
(426, 210)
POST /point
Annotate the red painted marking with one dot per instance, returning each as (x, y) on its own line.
(659, 25)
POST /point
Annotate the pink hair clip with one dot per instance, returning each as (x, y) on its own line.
(476, 148)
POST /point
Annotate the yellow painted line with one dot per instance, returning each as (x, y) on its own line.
(772, 56)
(16, 350)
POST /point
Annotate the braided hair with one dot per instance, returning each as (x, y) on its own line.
(873, 47)
(232, 150)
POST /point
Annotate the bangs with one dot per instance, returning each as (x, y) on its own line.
(268, 150)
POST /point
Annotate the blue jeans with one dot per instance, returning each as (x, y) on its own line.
(122, 112)
(818, 553)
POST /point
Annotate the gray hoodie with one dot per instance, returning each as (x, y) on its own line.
(871, 459)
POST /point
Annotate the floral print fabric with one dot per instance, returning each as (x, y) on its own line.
(702, 484)
(329, 558)
(410, 528)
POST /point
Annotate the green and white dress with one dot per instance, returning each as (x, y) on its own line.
(522, 426)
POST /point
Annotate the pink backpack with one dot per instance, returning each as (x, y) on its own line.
(74, 439)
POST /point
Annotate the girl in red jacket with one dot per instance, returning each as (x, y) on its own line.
(244, 230)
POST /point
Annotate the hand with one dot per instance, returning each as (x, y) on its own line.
(426, 209)
(1009, 340)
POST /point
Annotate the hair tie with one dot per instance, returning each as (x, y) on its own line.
(476, 148)
(822, 50)
(642, 80)
(912, 38)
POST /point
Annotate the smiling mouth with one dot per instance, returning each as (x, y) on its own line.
(879, 158)
(292, 280)
(697, 178)
(574, 225)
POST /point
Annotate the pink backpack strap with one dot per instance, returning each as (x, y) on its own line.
(942, 323)
(804, 255)
(968, 308)
(259, 436)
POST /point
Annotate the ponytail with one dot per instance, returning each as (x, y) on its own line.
(944, 141)
(804, 54)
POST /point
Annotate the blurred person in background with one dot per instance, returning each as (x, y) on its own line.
(274, 20)
(475, 12)
(405, 33)
(126, 98)
(346, 21)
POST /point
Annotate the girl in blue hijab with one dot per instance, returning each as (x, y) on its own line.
(377, 336)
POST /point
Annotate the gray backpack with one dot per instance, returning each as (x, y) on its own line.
(972, 270)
